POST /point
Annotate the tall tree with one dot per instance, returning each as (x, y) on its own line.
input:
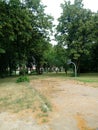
(23, 32)
(74, 30)
(40, 35)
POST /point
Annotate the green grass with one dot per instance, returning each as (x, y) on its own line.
(54, 75)
(88, 78)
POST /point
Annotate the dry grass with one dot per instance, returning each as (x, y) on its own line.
(16, 97)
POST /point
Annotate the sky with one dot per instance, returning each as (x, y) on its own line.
(53, 7)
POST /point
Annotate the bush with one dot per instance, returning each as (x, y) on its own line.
(22, 79)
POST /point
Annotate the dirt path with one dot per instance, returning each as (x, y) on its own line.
(75, 107)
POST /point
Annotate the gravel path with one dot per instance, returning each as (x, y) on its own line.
(75, 107)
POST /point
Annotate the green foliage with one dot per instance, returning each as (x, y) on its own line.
(22, 79)
(56, 56)
(23, 72)
(24, 31)
(76, 31)
(2, 50)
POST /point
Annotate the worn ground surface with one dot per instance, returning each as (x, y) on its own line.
(74, 107)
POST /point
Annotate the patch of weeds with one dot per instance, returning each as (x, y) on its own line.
(18, 101)
(44, 120)
(48, 105)
(42, 115)
(45, 105)
(44, 108)
(3, 99)
(22, 79)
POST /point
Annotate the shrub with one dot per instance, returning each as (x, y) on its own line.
(22, 79)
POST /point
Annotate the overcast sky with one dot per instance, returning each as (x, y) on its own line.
(53, 6)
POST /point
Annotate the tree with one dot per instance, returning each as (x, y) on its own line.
(24, 32)
(94, 50)
(40, 36)
(56, 56)
(74, 30)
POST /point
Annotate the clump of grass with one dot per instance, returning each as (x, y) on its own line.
(44, 120)
(45, 104)
(44, 108)
(22, 79)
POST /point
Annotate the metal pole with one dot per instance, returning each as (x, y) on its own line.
(75, 68)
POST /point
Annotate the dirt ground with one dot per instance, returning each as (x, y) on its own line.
(74, 107)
